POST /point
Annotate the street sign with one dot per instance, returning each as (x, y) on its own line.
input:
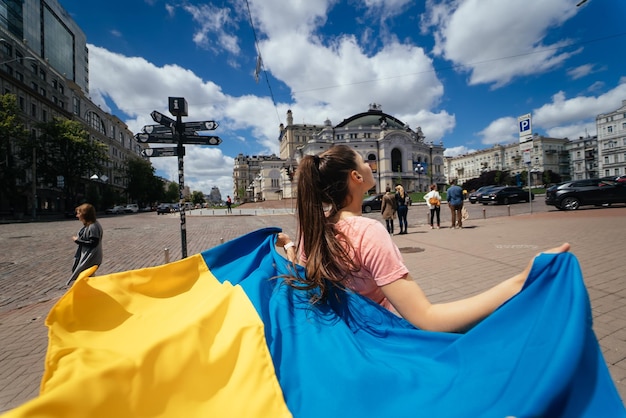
(178, 106)
(161, 152)
(202, 140)
(162, 119)
(525, 128)
(207, 125)
(158, 139)
(186, 139)
(156, 129)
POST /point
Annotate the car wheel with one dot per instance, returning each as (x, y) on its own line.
(367, 209)
(570, 203)
(506, 201)
(472, 202)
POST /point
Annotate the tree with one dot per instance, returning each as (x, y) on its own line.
(197, 197)
(69, 152)
(13, 136)
(143, 185)
(172, 194)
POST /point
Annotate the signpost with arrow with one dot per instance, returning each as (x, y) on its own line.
(170, 131)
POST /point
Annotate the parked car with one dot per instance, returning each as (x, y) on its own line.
(164, 208)
(621, 179)
(571, 195)
(475, 195)
(115, 210)
(373, 202)
(131, 208)
(504, 195)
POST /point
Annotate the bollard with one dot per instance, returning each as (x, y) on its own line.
(484, 213)
(167, 255)
(221, 240)
(509, 209)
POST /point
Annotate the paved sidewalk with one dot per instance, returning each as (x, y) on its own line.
(35, 260)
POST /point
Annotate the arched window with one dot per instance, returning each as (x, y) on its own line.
(94, 120)
(396, 161)
(371, 160)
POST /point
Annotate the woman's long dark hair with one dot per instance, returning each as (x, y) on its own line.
(322, 192)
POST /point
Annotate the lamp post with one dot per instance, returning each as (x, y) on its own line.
(431, 163)
(290, 170)
(419, 170)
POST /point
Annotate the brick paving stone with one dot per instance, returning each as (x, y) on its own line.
(35, 261)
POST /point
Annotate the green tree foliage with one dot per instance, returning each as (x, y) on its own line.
(550, 177)
(172, 194)
(143, 186)
(13, 136)
(197, 197)
(65, 149)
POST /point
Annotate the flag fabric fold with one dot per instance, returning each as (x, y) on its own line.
(221, 334)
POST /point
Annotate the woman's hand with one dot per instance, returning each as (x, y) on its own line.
(283, 240)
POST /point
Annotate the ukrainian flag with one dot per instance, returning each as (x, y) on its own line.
(219, 334)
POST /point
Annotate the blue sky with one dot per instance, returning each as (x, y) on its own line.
(462, 70)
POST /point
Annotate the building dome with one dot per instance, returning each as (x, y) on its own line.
(373, 117)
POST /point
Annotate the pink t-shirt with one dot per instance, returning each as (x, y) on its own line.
(380, 260)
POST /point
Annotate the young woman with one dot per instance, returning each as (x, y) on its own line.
(402, 200)
(433, 200)
(339, 247)
(89, 241)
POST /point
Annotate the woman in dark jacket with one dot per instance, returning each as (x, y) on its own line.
(89, 241)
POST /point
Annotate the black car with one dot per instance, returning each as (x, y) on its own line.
(373, 202)
(475, 195)
(505, 195)
(164, 208)
(571, 195)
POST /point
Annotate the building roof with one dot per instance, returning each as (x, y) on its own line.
(372, 117)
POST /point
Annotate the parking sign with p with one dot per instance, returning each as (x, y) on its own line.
(525, 128)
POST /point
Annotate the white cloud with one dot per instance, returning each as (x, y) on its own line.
(489, 39)
(500, 131)
(456, 151)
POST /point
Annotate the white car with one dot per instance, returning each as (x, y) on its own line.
(131, 208)
(115, 210)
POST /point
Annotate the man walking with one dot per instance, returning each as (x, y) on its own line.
(455, 202)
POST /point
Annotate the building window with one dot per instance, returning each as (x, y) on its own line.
(609, 129)
(33, 110)
(34, 86)
(44, 115)
(76, 103)
(42, 75)
(22, 103)
(94, 120)
(606, 160)
(19, 76)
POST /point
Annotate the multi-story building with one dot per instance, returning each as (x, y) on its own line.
(611, 128)
(44, 63)
(547, 154)
(583, 155)
(396, 153)
(257, 177)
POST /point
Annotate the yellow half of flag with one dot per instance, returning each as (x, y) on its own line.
(164, 341)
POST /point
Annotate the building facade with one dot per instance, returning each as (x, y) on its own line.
(547, 154)
(396, 153)
(44, 63)
(611, 128)
(583, 154)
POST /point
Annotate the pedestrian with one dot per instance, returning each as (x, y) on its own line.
(455, 202)
(229, 204)
(89, 241)
(402, 201)
(388, 209)
(433, 200)
(339, 247)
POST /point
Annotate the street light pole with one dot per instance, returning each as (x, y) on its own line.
(431, 164)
